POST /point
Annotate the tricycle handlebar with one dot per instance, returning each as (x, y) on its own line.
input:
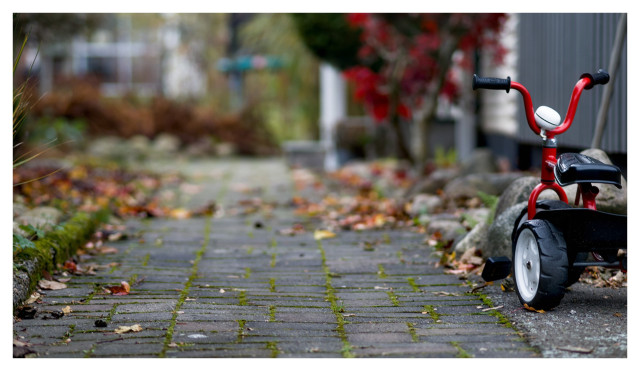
(492, 83)
(599, 78)
(587, 81)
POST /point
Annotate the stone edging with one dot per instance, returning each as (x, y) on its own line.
(56, 247)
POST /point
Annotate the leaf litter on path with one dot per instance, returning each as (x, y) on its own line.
(51, 285)
(125, 329)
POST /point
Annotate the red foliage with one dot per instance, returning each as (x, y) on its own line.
(386, 39)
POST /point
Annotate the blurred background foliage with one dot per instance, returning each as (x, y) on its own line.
(278, 104)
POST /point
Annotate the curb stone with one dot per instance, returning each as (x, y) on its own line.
(56, 247)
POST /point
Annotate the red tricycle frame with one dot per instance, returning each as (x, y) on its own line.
(549, 150)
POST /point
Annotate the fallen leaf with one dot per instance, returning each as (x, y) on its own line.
(18, 343)
(527, 307)
(197, 336)
(67, 310)
(116, 236)
(108, 250)
(33, 298)
(570, 348)
(51, 285)
(180, 213)
(123, 289)
(125, 329)
(444, 293)
(321, 234)
(295, 230)
(70, 266)
(488, 309)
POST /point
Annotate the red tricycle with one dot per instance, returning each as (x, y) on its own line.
(551, 239)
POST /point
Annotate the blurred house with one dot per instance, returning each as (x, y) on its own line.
(145, 62)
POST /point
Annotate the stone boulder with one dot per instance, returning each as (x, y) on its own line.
(477, 238)
(468, 186)
(518, 191)
(42, 217)
(499, 233)
(432, 183)
(449, 228)
(482, 160)
(424, 204)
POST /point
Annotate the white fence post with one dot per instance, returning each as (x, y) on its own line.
(333, 107)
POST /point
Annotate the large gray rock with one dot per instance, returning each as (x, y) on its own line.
(499, 233)
(476, 238)
(518, 191)
(43, 217)
(450, 229)
(468, 186)
(432, 183)
(425, 204)
(482, 160)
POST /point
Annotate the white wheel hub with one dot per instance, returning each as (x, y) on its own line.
(526, 265)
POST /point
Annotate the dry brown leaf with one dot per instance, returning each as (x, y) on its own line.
(527, 307)
(33, 298)
(180, 213)
(125, 329)
(51, 285)
(67, 310)
(321, 234)
(18, 343)
(123, 289)
(570, 348)
(108, 250)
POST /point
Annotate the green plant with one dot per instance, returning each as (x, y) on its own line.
(445, 158)
(21, 106)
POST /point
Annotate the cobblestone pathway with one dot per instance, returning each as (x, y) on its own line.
(231, 286)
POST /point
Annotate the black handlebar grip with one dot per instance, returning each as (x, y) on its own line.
(599, 78)
(492, 83)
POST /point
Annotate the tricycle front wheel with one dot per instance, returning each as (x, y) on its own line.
(540, 264)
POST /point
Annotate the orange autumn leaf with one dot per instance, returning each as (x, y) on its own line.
(123, 289)
(527, 307)
(70, 266)
(180, 213)
(321, 234)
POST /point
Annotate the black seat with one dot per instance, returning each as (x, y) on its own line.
(577, 168)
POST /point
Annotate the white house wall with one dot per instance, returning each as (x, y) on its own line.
(499, 110)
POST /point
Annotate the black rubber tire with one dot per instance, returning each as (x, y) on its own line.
(574, 273)
(553, 264)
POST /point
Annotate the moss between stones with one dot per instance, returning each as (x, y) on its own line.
(55, 248)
